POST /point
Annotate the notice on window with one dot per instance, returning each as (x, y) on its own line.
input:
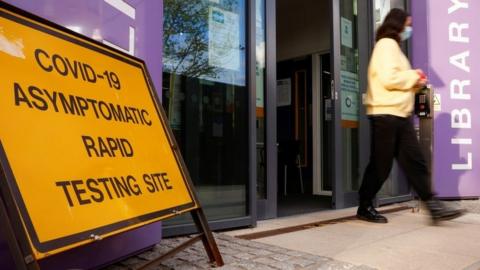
(284, 92)
(347, 34)
(382, 7)
(260, 84)
(84, 144)
(350, 95)
(223, 39)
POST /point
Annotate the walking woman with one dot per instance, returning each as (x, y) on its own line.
(392, 84)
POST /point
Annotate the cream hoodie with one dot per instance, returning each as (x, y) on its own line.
(390, 81)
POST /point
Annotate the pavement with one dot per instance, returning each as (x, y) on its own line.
(408, 241)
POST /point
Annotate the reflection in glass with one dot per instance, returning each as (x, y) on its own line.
(260, 104)
(205, 97)
(382, 7)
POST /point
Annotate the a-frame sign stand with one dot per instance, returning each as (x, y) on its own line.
(205, 236)
(156, 181)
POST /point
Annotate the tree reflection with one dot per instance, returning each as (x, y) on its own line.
(185, 38)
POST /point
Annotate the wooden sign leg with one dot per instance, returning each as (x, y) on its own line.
(207, 237)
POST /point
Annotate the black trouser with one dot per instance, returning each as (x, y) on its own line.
(394, 137)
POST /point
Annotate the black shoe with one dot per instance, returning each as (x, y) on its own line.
(368, 213)
(439, 211)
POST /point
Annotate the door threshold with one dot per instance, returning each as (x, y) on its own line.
(306, 226)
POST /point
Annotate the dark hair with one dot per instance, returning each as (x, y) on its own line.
(392, 25)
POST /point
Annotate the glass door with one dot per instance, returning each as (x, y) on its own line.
(396, 187)
(354, 25)
(349, 43)
(205, 95)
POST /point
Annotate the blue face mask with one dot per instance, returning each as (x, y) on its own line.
(406, 33)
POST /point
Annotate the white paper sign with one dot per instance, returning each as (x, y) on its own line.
(223, 39)
(284, 90)
(347, 35)
(382, 7)
(350, 95)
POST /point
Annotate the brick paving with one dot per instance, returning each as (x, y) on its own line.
(238, 254)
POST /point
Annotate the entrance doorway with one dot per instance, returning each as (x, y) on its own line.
(316, 129)
(304, 107)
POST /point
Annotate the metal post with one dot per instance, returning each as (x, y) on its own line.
(207, 238)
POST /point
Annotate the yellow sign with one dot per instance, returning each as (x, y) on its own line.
(84, 146)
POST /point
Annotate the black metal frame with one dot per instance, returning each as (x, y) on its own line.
(338, 200)
(190, 228)
(267, 208)
(252, 107)
(341, 197)
(364, 56)
(396, 177)
(251, 218)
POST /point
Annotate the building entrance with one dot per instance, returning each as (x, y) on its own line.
(304, 120)
(317, 132)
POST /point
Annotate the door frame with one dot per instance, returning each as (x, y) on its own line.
(267, 208)
(343, 198)
(396, 177)
(318, 111)
(366, 40)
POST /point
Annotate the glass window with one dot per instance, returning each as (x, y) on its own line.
(382, 7)
(260, 104)
(206, 100)
(350, 93)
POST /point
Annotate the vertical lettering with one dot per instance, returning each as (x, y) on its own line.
(123, 7)
(456, 89)
(464, 166)
(128, 10)
(461, 118)
(455, 32)
(457, 5)
(460, 61)
(461, 141)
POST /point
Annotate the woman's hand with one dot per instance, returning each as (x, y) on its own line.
(422, 81)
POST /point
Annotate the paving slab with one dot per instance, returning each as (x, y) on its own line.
(295, 220)
(408, 241)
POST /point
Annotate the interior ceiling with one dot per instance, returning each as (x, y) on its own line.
(293, 8)
(303, 27)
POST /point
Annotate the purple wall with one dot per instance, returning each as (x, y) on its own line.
(446, 45)
(6, 259)
(103, 21)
